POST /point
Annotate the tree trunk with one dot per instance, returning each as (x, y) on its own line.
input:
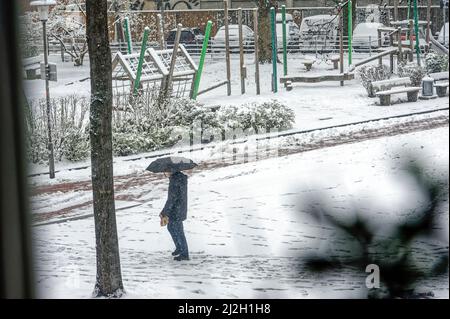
(109, 278)
(265, 38)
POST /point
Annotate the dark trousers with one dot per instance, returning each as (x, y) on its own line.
(176, 230)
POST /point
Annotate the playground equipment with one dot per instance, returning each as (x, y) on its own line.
(274, 50)
(202, 60)
(318, 78)
(341, 77)
(154, 67)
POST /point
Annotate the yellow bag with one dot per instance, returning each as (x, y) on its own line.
(164, 221)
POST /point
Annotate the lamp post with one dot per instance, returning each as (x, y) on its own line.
(42, 7)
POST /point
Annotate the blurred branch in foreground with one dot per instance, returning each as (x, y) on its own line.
(399, 272)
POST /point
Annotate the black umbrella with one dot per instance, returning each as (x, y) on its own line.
(171, 164)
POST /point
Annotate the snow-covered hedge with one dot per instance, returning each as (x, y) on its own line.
(70, 133)
(143, 127)
(372, 73)
(436, 63)
(413, 71)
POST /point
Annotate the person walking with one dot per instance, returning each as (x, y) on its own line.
(175, 210)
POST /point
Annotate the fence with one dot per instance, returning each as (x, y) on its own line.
(199, 18)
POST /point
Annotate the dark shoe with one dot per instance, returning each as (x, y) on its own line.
(181, 257)
(176, 252)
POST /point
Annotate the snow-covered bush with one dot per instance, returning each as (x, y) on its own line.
(436, 63)
(256, 117)
(413, 71)
(274, 115)
(69, 125)
(372, 73)
(143, 126)
(184, 112)
(75, 145)
(30, 36)
(135, 134)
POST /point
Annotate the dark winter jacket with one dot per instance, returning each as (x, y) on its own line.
(176, 204)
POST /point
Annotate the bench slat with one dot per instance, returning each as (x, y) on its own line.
(439, 76)
(384, 84)
(400, 90)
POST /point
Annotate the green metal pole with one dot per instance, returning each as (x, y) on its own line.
(416, 31)
(350, 31)
(137, 82)
(283, 16)
(128, 35)
(274, 50)
(202, 60)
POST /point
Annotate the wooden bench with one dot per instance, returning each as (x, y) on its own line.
(440, 83)
(384, 89)
(308, 64)
(335, 59)
(388, 84)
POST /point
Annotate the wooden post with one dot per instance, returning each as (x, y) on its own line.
(168, 82)
(160, 31)
(411, 40)
(395, 10)
(227, 47)
(341, 39)
(391, 60)
(241, 52)
(255, 27)
(428, 22)
(399, 44)
(380, 44)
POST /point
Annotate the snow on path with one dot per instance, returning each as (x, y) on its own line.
(248, 230)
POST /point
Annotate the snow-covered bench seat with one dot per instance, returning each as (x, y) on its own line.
(441, 87)
(386, 88)
(385, 85)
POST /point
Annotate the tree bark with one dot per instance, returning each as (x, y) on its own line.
(265, 39)
(109, 278)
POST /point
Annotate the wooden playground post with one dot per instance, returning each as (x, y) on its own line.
(283, 17)
(416, 31)
(380, 44)
(395, 10)
(341, 40)
(399, 44)
(173, 60)
(428, 22)
(227, 47)
(256, 39)
(391, 60)
(274, 50)
(411, 40)
(241, 52)
(160, 31)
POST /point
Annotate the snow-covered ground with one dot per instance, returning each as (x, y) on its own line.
(248, 228)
